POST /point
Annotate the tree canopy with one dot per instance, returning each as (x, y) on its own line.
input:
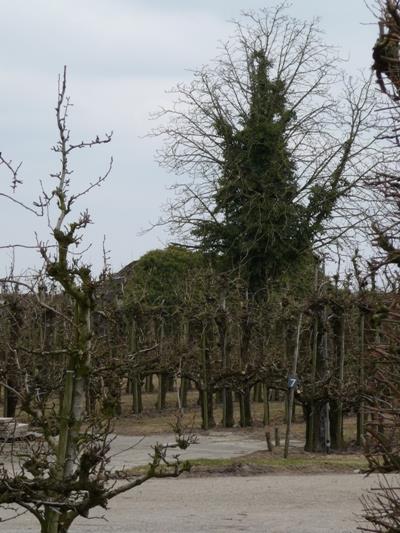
(256, 224)
(269, 155)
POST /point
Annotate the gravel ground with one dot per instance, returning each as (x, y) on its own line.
(130, 451)
(134, 451)
(305, 503)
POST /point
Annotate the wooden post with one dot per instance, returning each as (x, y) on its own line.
(292, 388)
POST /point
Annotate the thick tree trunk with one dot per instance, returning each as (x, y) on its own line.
(10, 398)
(64, 448)
(137, 403)
(183, 391)
(162, 391)
(73, 406)
(204, 409)
(206, 393)
(170, 383)
(225, 347)
(210, 405)
(258, 393)
(318, 415)
(149, 385)
(245, 394)
(318, 430)
(245, 407)
(227, 403)
(336, 405)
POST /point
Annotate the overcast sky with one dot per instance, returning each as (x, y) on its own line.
(122, 55)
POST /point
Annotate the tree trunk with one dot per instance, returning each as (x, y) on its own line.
(170, 383)
(137, 403)
(245, 408)
(227, 405)
(258, 393)
(183, 390)
(318, 431)
(265, 395)
(361, 381)
(245, 396)
(207, 389)
(162, 391)
(336, 405)
(149, 385)
(162, 376)
(135, 380)
(223, 329)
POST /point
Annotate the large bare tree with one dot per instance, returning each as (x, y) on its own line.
(330, 136)
(382, 506)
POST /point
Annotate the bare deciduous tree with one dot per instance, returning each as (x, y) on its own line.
(330, 137)
(66, 472)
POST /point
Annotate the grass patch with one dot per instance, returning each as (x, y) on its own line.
(274, 463)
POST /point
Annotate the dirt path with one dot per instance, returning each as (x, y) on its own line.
(261, 504)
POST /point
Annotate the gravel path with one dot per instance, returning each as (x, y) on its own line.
(134, 451)
(266, 503)
(130, 451)
(262, 504)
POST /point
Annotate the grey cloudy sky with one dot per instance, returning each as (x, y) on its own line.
(122, 55)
